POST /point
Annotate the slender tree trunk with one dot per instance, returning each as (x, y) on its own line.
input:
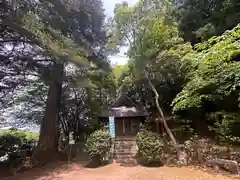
(48, 140)
(161, 112)
(181, 154)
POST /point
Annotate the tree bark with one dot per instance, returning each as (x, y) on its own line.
(161, 112)
(48, 140)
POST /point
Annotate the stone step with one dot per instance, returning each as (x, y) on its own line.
(125, 139)
(125, 153)
(120, 143)
(125, 150)
(125, 156)
(125, 144)
(127, 161)
(125, 147)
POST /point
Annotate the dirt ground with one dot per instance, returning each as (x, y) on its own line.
(116, 171)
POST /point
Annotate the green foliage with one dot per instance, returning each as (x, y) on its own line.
(226, 125)
(206, 32)
(205, 77)
(221, 48)
(182, 127)
(98, 145)
(58, 45)
(47, 33)
(22, 135)
(212, 85)
(118, 70)
(16, 145)
(213, 74)
(9, 143)
(149, 147)
(201, 19)
(155, 50)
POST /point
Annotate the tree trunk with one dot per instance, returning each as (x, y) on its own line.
(48, 141)
(181, 154)
(161, 112)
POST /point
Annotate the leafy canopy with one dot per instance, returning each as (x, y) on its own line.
(213, 72)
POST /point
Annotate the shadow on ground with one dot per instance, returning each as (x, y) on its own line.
(94, 165)
(50, 170)
(36, 173)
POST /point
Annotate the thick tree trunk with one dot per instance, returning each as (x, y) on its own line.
(48, 140)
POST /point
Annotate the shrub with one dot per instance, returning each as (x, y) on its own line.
(226, 126)
(98, 145)
(23, 135)
(149, 147)
(9, 143)
(16, 145)
(10, 148)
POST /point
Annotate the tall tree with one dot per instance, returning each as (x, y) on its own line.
(35, 24)
(152, 37)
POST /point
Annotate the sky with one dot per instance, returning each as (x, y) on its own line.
(109, 7)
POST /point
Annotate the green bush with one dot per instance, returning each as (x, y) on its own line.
(98, 145)
(16, 145)
(23, 135)
(226, 125)
(150, 147)
(9, 143)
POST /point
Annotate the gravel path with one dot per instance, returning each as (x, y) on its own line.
(118, 172)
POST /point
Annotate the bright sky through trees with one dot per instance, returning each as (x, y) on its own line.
(109, 7)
